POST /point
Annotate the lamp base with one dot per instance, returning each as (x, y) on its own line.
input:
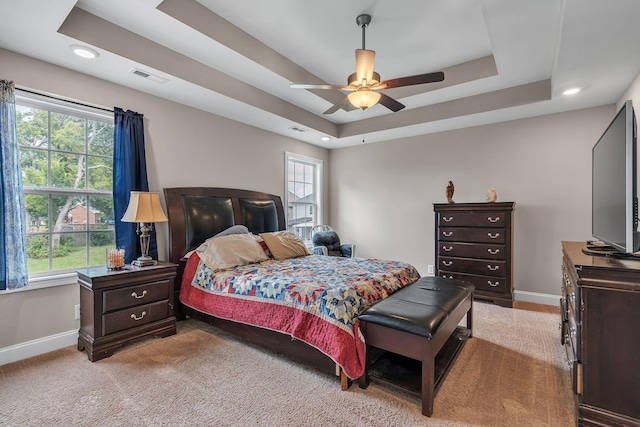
(143, 262)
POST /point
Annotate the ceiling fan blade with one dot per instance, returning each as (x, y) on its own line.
(364, 64)
(412, 80)
(390, 103)
(338, 105)
(305, 86)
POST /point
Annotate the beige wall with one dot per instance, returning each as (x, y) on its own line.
(382, 194)
(184, 147)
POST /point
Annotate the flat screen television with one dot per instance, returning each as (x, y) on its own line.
(614, 198)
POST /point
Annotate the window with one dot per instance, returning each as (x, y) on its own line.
(303, 194)
(66, 156)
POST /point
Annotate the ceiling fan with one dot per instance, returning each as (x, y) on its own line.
(364, 85)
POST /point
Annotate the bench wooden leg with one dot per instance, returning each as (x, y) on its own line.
(428, 380)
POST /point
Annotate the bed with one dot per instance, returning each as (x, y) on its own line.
(273, 302)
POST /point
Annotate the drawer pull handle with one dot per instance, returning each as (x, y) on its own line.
(447, 248)
(133, 316)
(447, 219)
(494, 220)
(448, 263)
(135, 295)
(492, 252)
(447, 233)
(493, 267)
(493, 284)
(447, 277)
(493, 236)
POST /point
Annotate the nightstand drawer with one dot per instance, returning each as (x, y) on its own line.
(117, 299)
(135, 316)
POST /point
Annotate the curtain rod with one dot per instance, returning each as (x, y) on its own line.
(62, 99)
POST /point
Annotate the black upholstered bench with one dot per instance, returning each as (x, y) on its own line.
(418, 323)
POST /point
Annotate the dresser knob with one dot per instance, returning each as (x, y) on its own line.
(447, 233)
(448, 263)
(493, 284)
(494, 220)
(135, 295)
(447, 249)
(133, 316)
(493, 236)
(493, 267)
(492, 252)
(447, 219)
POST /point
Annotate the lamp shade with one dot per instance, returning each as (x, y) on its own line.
(364, 98)
(144, 207)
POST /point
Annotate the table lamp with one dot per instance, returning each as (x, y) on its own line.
(145, 209)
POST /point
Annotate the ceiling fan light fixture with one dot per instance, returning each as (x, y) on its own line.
(364, 98)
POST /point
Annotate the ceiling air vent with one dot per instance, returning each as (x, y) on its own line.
(152, 77)
(297, 129)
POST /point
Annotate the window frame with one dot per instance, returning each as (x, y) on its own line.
(317, 204)
(52, 104)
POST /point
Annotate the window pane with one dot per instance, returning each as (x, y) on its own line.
(99, 243)
(100, 173)
(37, 213)
(101, 213)
(38, 253)
(67, 133)
(69, 213)
(100, 138)
(34, 166)
(67, 170)
(69, 250)
(33, 127)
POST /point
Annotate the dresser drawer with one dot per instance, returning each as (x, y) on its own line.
(130, 296)
(482, 283)
(471, 235)
(134, 316)
(472, 250)
(473, 219)
(473, 266)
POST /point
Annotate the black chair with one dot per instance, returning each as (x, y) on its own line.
(326, 241)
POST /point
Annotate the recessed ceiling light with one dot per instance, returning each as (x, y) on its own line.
(571, 91)
(84, 51)
(325, 138)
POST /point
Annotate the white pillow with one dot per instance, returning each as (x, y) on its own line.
(230, 251)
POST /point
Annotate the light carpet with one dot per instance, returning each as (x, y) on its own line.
(511, 373)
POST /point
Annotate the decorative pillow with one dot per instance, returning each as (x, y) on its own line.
(230, 251)
(284, 244)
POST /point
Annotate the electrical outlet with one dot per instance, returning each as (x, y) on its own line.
(430, 269)
(77, 311)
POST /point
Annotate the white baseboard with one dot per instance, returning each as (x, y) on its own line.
(38, 346)
(536, 297)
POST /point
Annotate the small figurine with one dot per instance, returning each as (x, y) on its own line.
(450, 190)
(492, 196)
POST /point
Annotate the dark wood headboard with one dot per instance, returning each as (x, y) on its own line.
(197, 213)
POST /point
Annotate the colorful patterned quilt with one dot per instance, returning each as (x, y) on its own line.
(315, 299)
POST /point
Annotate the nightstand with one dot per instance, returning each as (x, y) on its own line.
(119, 306)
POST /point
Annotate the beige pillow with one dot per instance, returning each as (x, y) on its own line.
(284, 244)
(230, 251)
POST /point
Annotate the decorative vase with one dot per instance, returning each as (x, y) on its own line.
(492, 196)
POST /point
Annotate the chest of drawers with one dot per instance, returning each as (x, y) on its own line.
(474, 242)
(119, 306)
